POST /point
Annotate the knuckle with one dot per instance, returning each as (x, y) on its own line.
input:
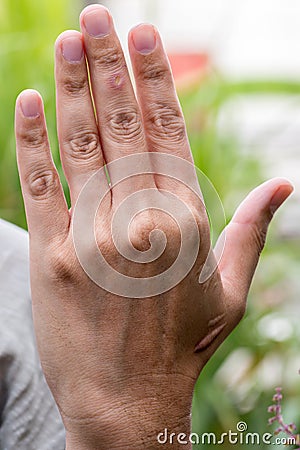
(126, 124)
(75, 86)
(42, 183)
(149, 221)
(60, 266)
(108, 58)
(259, 237)
(84, 145)
(167, 121)
(34, 138)
(140, 230)
(155, 73)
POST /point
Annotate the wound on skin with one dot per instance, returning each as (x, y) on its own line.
(117, 81)
(215, 328)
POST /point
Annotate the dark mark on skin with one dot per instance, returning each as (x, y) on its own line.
(214, 332)
(117, 80)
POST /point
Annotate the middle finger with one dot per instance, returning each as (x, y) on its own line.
(117, 110)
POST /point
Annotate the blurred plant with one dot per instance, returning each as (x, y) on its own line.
(28, 30)
(220, 155)
(276, 409)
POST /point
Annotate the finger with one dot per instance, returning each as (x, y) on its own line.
(45, 205)
(162, 115)
(246, 234)
(79, 142)
(117, 109)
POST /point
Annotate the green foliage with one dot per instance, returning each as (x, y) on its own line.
(219, 155)
(28, 29)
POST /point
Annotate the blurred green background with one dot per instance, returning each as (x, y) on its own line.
(238, 382)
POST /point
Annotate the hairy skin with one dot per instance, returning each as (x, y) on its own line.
(121, 370)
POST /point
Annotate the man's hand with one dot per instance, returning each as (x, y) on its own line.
(122, 369)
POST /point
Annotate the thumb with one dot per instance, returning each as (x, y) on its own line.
(243, 239)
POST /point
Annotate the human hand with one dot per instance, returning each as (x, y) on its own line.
(122, 368)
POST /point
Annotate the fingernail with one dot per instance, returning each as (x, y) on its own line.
(97, 21)
(72, 49)
(280, 196)
(30, 103)
(144, 39)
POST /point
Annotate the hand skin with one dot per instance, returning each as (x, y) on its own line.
(122, 370)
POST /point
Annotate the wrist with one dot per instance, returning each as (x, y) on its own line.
(136, 422)
(135, 434)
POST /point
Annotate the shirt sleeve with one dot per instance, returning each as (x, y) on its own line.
(29, 418)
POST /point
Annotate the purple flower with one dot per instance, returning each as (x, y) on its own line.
(276, 409)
